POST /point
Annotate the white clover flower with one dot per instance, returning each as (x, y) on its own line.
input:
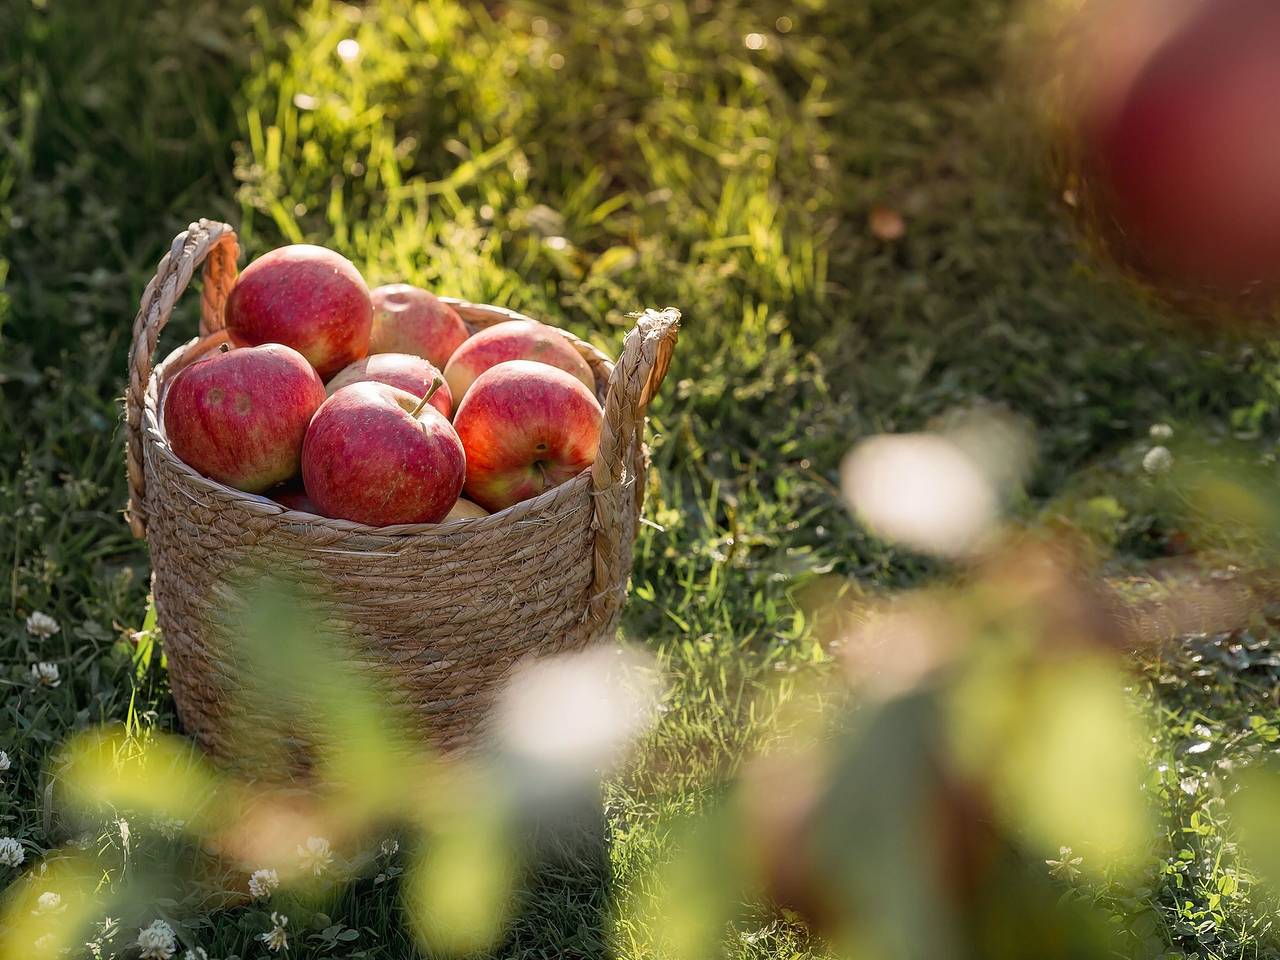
(1160, 431)
(45, 674)
(262, 882)
(390, 847)
(1158, 460)
(315, 855)
(42, 625)
(48, 902)
(5, 762)
(277, 938)
(157, 942)
(11, 852)
(196, 953)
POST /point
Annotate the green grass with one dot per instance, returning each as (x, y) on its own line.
(577, 161)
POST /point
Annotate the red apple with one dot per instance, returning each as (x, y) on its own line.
(526, 427)
(379, 455)
(514, 340)
(400, 370)
(1180, 146)
(293, 496)
(239, 416)
(307, 297)
(408, 319)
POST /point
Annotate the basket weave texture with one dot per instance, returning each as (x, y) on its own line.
(445, 610)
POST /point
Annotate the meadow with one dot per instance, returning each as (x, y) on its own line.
(578, 161)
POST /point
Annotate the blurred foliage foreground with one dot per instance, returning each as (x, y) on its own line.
(1020, 701)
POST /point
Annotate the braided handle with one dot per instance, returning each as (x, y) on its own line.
(214, 245)
(646, 354)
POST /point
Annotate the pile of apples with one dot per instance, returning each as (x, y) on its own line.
(330, 399)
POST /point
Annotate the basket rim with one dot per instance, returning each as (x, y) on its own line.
(542, 504)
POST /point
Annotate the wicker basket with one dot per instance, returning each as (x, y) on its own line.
(449, 608)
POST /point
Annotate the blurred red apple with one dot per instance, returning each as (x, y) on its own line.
(308, 298)
(408, 319)
(1180, 147)
(378, 455)
(410, 373)
(526, 427)
(239, 417)
(514, 340)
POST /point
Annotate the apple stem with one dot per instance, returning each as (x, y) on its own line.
(436, 381)
(224, 347)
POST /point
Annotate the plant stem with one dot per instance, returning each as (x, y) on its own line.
(436, 381)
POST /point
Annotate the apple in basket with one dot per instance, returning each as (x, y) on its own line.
(526, 427)
(240, 416)
(308, 298)
(513, 340)
(400, 370)
(293, 496)
(379, 455)
(466, 510)
(408, 319)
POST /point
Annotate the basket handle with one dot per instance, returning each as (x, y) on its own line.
(646, 354)
(208, 242)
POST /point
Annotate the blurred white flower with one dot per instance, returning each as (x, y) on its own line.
(574, 714)
(48, 902)
(42, 625)
(277, 938)
(390, 847)
(262, 882)
(45, 943)
(1158, 460)
(157, 941)
(922, 490)
(348, 49)
(1066, 866)
(315, 855)
(1160, 431)
(11, 852)
(5, 762)
(45, 674)
(196, 953)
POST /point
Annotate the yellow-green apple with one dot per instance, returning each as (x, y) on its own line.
(378, 455)
(408, 319)
(240, 416)
(466, 510)
(308, 298)
(513, 340)
(526, 427)
(402, 370)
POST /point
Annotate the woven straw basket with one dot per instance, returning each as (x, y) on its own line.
(444, 609)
